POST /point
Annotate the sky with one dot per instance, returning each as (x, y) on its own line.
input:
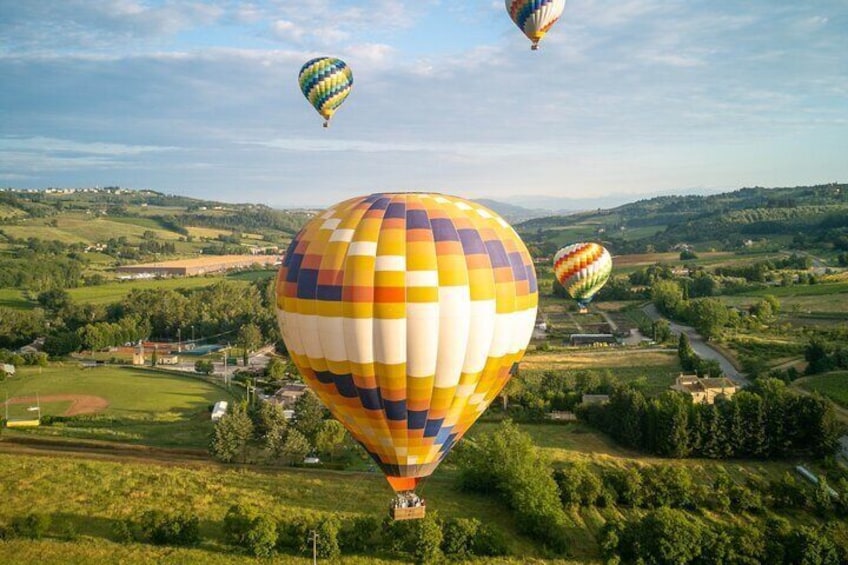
(625, 98)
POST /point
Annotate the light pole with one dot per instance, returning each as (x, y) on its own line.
(179, 340)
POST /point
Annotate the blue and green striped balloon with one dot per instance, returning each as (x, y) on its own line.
(326, 82)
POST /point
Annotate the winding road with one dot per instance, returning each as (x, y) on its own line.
(699, 346)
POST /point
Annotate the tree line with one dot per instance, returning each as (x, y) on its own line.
(769, 421)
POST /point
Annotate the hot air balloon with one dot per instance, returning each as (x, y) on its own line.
(407, 313)
(582, 269)
(326, 82)
(535, 17)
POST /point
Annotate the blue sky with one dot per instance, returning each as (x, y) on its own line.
(625, 97)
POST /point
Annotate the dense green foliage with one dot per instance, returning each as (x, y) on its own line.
(506, 463)
(769, 421)
(816, 215)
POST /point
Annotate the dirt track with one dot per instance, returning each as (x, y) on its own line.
(80, 403)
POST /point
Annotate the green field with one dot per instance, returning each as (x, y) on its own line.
(832, 385)
(115, 292)
(72, 228)
(145, 407)
(65, 488)
(654, 369)
(14, 298)
(92, 495)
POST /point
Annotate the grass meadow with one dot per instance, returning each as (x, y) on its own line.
(73, 228)
(116, 291)
(89, 496)
(832, 385)
(144, 407)
(14, 298)
(654, 369)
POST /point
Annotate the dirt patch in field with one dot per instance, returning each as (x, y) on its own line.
(80, 403)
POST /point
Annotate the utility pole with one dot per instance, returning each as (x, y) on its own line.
(179, 340)
(314, 547)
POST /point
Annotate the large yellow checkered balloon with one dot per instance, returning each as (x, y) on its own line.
(407, 313)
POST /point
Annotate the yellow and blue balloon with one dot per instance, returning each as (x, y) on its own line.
(326, 83)
(535, 17)
(407, 313)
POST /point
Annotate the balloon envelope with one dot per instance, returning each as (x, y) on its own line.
(535, 17)
(582, 269)
(407, 313)
(326, 82)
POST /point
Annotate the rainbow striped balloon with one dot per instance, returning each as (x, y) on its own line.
(326, 82)
(407, 313)
(535, 17)
(582, 269)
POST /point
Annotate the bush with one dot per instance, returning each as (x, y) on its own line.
(160, 528)
(459, 536)
(32, 526)
(123, 531)
(422, 539)
(261, 536)
(359, 534)
(236, 525)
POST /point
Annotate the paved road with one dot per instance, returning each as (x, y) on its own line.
(701, 347)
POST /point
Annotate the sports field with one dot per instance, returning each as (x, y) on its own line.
(112, 403)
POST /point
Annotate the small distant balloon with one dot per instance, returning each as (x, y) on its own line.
(582, 269)
(535, 17)
(326, 83)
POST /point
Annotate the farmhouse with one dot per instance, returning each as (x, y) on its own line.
(287, 395)
(704, 391)
(197, 266)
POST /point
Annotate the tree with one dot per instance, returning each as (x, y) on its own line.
(661, 330)
(328, 538)
(670, 414)
(62, 343)
(664, 536)
(330, 435)
(507, 463)
(688, 359)
(54, 300)
(276, 369)
(261, 536)
(359, 534)
(295, 447)
(204, 366)
(308, 415)
(668, 296)
(269, 420)
(249, 339)
(161, 528)
(459, 536)
(709, 316)
(232, 433)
